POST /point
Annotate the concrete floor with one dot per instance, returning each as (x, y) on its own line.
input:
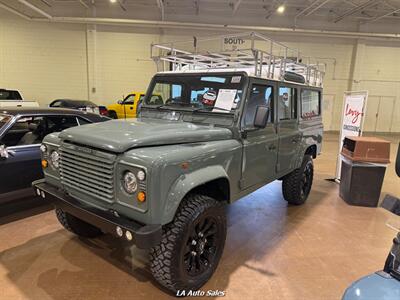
(272, 251)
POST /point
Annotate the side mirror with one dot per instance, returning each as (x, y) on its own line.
(261, 117)
(3, 152)
(119, 102)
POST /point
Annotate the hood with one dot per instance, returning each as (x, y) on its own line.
(121, 135)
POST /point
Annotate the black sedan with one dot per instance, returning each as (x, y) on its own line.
(83, 105)
(21, 133)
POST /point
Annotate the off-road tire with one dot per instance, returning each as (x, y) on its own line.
(77, 226)
(112, 114)
(167, 260)
(293, 183)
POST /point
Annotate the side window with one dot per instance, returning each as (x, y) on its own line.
(261, 95)
(129, 99)
(82, 121)
(59, 123)
(310, 104)
(287, 104)
(25, 131)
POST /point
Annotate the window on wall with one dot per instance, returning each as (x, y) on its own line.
(287, 103)
(310, 104)
(261, 95)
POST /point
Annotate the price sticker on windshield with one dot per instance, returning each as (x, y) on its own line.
(224, 102)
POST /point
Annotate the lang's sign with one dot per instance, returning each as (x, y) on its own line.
(354, 108)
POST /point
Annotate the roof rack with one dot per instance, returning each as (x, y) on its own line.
(251, 52)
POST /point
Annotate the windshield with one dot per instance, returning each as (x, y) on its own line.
(210, 92)
(4, 119)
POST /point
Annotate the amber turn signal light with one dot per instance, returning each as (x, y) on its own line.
(44, 163)
(141, 197)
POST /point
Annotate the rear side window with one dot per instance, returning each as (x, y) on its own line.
(287, 103)
(310, 104)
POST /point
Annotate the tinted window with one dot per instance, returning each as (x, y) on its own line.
(57, 103)
(287, 103)
(310, 104)
(26, 131)
(83, 121)
(10, 95)
(261, 95)
(59, 123)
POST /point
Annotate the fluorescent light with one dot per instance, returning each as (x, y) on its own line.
(281, 9)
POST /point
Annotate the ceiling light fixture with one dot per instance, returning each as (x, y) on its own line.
(113, 1)
(281, 9)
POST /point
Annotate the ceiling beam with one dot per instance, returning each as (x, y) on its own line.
(14, 11)
(35, 8)
(83, 3)
(317, 7)
(382, 16)
(236, 7)
(160, 4)
(356, 9)
(46, 2)
(197, 6)
(306, 8)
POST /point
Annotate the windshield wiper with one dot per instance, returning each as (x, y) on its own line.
(211, 111)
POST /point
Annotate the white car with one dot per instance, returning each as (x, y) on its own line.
(13, 98)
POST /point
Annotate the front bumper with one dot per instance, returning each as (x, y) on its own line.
(143, 236)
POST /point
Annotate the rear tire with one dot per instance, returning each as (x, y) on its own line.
(296, 186)
(112, 114)
(191, 245)
(76, 225)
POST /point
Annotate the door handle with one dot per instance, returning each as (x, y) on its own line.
(294, 141)
(271, 147)
(131, 107)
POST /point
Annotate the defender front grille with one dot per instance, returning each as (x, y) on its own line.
(88, 171)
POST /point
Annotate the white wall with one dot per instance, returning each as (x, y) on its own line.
(47, 61)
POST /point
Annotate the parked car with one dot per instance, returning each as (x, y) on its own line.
(83, 105)
(13, 98)
(21, 133)
(162, 181)
(126, 108)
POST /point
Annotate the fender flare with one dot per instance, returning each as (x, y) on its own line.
(184, 184)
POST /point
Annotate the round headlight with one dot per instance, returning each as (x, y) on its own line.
(129, 182)
(43, 148)
(141, 175)
(55, 159)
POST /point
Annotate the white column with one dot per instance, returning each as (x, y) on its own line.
(91, 58)
(357, 64)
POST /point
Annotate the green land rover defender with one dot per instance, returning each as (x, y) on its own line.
(227, 124)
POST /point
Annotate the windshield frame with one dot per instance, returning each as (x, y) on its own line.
(7, 122)
(189, 109)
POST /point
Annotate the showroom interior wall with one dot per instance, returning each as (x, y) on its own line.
(47, 61)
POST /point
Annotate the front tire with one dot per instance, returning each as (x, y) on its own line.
(191, 245)
(296, 186)
(76, 225)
